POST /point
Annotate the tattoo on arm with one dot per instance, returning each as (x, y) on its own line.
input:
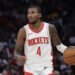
(54, 35)
(19, 43)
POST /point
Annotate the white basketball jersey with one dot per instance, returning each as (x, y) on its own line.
(38, 49)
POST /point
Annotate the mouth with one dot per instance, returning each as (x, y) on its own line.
(30, 19)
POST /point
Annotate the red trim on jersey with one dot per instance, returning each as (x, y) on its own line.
(36, 31)
(51, 74)
(27, 73)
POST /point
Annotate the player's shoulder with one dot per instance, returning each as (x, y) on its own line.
(25, 25)
(22, 30)
(46, 23)
(50, 25)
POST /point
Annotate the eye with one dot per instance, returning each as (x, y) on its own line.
(33, 12)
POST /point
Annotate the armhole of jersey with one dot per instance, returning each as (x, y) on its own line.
(49, 29)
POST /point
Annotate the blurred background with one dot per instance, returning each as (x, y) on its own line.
(13, 16)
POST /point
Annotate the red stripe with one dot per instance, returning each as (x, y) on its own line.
(51, 74)
(27, 73)
(37, 31)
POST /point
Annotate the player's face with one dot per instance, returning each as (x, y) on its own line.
(33, 15)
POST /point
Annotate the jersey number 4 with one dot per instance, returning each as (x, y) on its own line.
(39, 51)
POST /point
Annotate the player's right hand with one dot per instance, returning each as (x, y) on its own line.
(21, 60)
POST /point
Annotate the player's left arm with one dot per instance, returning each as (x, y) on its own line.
(54, 36)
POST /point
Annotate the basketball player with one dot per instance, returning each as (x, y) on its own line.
(35, 38)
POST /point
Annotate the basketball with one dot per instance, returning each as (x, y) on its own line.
(69, 56)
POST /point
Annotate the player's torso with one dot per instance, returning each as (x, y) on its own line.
(38, 45)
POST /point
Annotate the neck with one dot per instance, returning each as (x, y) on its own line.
(37, 25)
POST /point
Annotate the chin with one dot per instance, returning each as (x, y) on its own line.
(32, 22)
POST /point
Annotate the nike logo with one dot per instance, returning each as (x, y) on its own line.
(30, 33)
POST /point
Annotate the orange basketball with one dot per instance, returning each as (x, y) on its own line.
(69, 56)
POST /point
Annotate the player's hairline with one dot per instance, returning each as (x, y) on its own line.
(37, 7)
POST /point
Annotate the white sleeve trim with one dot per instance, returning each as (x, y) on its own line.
(61, 48)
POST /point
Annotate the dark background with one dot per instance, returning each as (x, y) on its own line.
(13, 16)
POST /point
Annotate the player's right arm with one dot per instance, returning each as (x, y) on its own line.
(18, 53)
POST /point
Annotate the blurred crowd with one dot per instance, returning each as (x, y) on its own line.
(13, 15)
